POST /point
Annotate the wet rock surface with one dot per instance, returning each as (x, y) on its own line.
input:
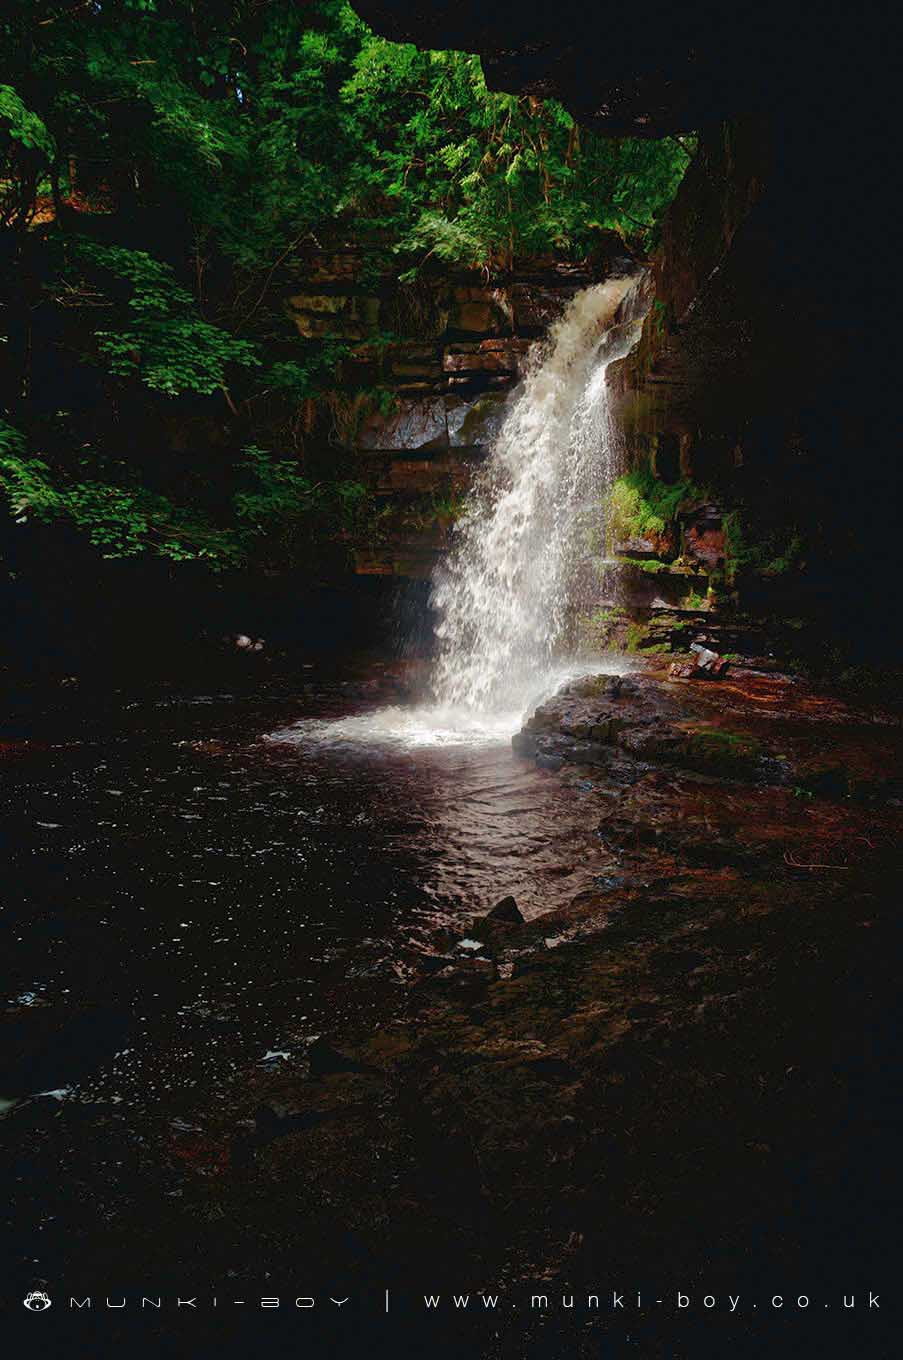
(623, 724)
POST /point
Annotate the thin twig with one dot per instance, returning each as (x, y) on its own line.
(798, 864)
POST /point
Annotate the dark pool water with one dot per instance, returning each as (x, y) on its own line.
(199, 882)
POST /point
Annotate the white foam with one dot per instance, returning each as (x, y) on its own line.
(408, 728)
(431, 725)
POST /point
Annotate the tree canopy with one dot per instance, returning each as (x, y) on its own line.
(163, 165)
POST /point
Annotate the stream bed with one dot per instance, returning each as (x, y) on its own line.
(240, 1008)
(209, 881)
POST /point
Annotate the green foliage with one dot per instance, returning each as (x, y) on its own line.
(472, 176)
(12, 443)
(123, 520)
(163, 341)
(278, 491)
(635, 636)
(641, 504)
(22, 125)
(119, 520)
(302, 378)
(169, 169)
(770, 550)
(439, 507)
(26, 149)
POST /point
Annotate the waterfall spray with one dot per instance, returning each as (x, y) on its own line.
(504, 594)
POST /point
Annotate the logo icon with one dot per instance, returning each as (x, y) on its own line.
(37, 1301)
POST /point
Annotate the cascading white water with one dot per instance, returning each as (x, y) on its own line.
(504, 594)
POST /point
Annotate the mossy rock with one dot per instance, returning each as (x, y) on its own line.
(715, 751)
(645, 507)
(594, 686)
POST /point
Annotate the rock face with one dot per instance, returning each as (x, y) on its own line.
(695, 362)
(745, 385)
(506, 910)
(764, 373)
(445, 383)
(704, 664)
(620, 724)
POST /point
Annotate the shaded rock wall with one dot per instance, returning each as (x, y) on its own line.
(695, 356)
(755, 383)
(459, 342)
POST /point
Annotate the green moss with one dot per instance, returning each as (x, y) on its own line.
(641, 504)
(716, 750)
(635, 636)
(610, 628)
(789, 559)
(438, 507)
(595, 629)
(733, 539)
(772, 551)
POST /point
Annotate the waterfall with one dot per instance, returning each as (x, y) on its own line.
(504, 595)
(506, 592)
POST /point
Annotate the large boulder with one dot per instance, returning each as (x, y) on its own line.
(480, 311)
(474, 424)
(412, 424)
